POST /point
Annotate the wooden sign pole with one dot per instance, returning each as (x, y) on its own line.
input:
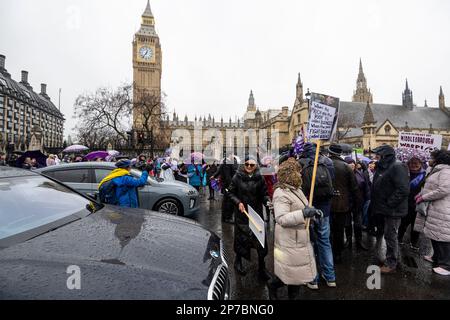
(313, 180)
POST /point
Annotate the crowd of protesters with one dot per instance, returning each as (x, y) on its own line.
(382, 197)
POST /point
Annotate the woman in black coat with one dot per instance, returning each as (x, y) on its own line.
(248, 188)
(211, 169)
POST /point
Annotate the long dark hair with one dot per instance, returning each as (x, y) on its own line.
(441, 157)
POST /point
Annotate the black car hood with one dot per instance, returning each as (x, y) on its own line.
(121, 253)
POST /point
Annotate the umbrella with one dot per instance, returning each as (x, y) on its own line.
(362, 158)
(75, 148)
(38, 155)
(112, 154)
(266, 160)
(197, 156)
(96, 154)
(406, 154)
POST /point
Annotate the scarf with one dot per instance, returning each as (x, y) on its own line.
(114, 174)
(417, 180)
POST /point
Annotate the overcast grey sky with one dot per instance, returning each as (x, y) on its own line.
(215, 51)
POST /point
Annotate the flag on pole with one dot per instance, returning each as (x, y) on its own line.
(298, 143)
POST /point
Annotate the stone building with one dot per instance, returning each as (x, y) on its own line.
(366, 125)
(27, 116)
(362, 122)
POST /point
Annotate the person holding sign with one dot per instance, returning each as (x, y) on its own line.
(248, 189)
(293, 253)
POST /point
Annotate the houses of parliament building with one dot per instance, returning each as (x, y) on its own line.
(363, 122)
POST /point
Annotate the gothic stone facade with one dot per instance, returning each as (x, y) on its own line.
(362, 123)
(27, 116)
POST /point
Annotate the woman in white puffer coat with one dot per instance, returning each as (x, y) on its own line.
(294, 260)
(436, 223)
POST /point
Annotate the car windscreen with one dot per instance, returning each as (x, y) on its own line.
(30, 202)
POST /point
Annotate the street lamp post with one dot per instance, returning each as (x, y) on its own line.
(308, 99)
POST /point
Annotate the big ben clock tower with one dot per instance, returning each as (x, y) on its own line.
(147, 64)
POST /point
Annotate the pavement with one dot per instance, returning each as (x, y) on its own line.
(413, 280)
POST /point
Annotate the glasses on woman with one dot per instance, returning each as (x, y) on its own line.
(250, 165)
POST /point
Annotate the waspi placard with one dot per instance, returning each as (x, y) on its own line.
(420, 141)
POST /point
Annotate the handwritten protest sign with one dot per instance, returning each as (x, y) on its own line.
(323, 115)
(257, 226)
(420, 141)
(322, 125)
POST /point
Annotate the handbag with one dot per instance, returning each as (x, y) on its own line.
(422, 208)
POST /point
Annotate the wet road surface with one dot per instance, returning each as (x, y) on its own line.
(413, 280)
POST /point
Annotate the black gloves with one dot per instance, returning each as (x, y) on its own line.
(311, 212)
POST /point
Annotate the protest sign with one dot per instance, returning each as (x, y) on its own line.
(322, 125)
(420, 141)
(323, 116)
(257, 226)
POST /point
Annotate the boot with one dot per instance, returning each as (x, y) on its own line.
(262, 271)
(273, 285)
(348, 243)
(239, 267)
(293, 292)
(349, 237)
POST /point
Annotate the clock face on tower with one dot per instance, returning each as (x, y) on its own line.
(146, 53)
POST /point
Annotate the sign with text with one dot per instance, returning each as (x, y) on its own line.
(323, 116)
(420, 141)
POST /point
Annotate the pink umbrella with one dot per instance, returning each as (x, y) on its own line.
(75, 148)
(197, 156)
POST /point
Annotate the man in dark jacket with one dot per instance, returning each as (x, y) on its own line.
(390, 190)
(321, 227)
(226, 172)
(248, 188)
(345, 197)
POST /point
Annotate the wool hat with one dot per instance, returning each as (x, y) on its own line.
(123, 164)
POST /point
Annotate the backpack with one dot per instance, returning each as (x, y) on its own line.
(107, 193)
(323, 189)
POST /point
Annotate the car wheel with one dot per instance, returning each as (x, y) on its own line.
(169, 206)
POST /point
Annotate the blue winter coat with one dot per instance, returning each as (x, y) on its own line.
(126, 189)
(195, 176)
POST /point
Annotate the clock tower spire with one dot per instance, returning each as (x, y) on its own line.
(147, 64)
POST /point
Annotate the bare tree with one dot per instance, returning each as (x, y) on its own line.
(345, 125)
(152, 127)
(106, 111)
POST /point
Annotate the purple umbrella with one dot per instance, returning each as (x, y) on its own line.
(96, 154)
(75, 148)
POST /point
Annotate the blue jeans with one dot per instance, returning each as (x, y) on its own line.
(322, 245)
(365, 217)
